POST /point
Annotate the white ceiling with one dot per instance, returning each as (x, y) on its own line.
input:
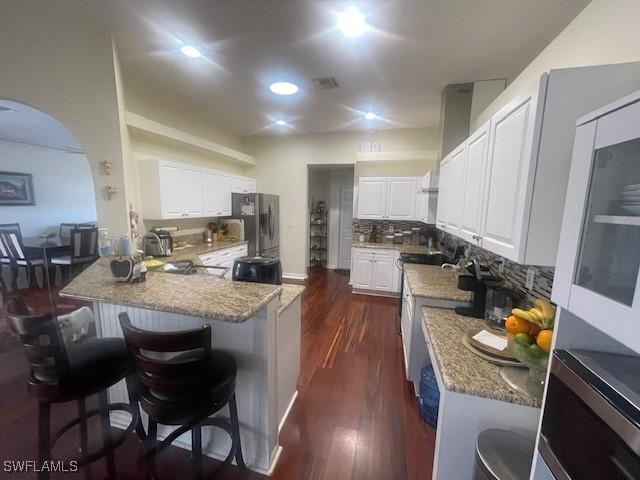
(398, 69)
(24, 124)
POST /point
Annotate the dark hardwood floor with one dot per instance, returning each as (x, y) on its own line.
(355, 416)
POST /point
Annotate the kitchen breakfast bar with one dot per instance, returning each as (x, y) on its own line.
(258, 324)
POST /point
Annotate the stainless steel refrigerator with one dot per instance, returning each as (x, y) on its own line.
(261, 215)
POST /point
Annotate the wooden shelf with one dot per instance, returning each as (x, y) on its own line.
(138, 122)
(617, 219)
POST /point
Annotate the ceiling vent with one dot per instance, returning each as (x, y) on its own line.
(325, 83)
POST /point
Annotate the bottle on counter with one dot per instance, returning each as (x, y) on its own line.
(105, 244)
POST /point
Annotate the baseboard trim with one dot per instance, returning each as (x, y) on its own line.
(375, 293)
(295, 276)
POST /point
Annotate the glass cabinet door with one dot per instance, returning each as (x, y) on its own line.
(609, 255)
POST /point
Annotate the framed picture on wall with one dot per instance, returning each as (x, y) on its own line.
(16, 189)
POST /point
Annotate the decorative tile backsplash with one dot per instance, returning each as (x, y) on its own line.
(514, 274)
(374, 230)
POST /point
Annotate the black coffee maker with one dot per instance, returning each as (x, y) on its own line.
(479, 280)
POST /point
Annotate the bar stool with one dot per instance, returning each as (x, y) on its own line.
(185, 389)
(63, 374)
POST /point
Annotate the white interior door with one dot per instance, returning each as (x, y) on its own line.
(346, 228)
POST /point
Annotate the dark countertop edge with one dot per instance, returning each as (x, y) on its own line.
(241, 318)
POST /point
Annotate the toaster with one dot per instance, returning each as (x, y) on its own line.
(158, 243)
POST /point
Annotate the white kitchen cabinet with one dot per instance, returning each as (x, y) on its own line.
(401, 198)
(473, 185)
(598, 273)
(372, 197)
(451, 182)
(243, 184)
(510, 172)
(224, 257)
(192, 191)
(388, 198)
(172, 190)
(216, 188)
(527, 165)
(375, 270)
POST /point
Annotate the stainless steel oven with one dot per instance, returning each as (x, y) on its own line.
(591, 418)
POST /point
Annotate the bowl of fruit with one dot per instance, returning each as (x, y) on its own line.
(530, 336)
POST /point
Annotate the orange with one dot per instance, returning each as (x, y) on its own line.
(544, 340)
(517, 325)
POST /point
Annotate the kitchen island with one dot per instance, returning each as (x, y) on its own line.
(473, 395)
(247, 320)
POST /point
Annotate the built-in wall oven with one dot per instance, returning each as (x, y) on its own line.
(591, 418)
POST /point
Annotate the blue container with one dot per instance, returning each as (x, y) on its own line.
(429, 397)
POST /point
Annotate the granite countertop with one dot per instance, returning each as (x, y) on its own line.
(289, 294)
(203, 296)
(461, 370)
(191, 253)
(434, 282)
(402, 248)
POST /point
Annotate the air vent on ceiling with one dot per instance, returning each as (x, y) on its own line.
(325, 83)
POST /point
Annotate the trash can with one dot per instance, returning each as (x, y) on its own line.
(503, 455)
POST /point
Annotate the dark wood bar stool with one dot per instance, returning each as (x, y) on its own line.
(185, 389)
(72, 373)
(14, 254)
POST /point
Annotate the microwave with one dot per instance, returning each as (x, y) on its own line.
(591, 418)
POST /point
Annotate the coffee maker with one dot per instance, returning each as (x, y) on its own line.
(478, 282)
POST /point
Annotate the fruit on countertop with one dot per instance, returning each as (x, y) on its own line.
(523, 338)
(516, 324)
(544, 339)
(543, 314)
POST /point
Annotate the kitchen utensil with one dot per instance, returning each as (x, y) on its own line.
(158, 243)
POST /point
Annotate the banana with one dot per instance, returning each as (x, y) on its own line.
(536, 312)
(548, 310)
(528, 316)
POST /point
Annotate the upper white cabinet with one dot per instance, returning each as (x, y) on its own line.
(173, 190)
(392, 198)
(522, 178)
(243, 184)
(598, 278)
(372, 197)
(473, 184)
(451, 183)
(216, 193)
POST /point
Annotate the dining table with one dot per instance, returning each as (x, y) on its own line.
(46, 248)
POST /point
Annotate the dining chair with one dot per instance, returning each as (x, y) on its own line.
(185, 389)
(13, 252)
(5, 261)
(66, 229)
(62, 373)
(84, 251)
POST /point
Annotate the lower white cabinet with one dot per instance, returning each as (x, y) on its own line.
(224, 258)
(375, 270)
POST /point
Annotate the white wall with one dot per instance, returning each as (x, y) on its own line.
(605, 32)
(57, 57)
(62, 186)
(282, 169)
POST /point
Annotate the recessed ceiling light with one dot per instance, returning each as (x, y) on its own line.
(190, 51)
(351, 22)
(370, 116)
(282, 123)
(283, 88)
